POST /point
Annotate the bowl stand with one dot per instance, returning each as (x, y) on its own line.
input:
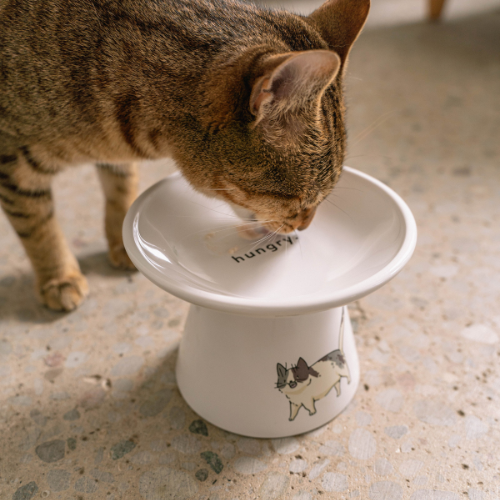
(231, 370)
(268, 349)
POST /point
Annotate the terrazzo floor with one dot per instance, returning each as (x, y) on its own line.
(89, 407)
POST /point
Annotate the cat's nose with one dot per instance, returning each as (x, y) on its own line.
(307, 217)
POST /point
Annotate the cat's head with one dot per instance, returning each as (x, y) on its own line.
(275, 119)
(293, 379)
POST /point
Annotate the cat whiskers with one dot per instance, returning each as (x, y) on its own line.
(266, 237)
(230, 228)
(338, 188)
(300, 245)
(213, 210)
(197, 217)
(359, 79)
(368, 130)
(350, 157)
(338, 208)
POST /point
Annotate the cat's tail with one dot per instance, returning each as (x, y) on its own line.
(341, 334)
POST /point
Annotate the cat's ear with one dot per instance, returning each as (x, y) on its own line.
(301, 364)
(340, 22)
(281, 370)
(297, 79)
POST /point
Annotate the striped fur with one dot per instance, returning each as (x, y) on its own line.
(205, 81)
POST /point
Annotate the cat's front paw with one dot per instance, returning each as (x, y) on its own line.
(64, 294)
(119, 259)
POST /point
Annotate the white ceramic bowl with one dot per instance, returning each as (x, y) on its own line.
(261, 308)
(361, 237)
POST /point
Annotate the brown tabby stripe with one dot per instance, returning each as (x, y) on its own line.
(28, 234)
(42, 193)
(4, 159)
(20, 215)
(124, 108)
(33, 163)
(6, 200)
(113, 169)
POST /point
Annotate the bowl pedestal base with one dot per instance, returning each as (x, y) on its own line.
(231, 370)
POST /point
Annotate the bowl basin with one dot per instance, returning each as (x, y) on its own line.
(186, 243)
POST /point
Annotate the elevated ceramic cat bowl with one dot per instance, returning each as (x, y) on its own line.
(268, 349)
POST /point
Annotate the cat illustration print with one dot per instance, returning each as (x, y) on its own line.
(303, 385)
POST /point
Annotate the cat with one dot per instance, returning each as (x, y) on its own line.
(248, 101)
(303, 385)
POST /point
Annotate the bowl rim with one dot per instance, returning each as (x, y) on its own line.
(291, 306)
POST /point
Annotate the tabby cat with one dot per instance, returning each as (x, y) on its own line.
(248, 101)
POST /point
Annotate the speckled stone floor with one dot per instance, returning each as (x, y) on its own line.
(89, 407)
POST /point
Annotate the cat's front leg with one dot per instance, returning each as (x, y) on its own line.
(119, 183)
(294, 409)
(26, 199)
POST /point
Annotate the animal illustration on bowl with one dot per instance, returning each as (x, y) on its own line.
(303, 385)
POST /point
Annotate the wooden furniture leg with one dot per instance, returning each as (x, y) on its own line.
(435, 9)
